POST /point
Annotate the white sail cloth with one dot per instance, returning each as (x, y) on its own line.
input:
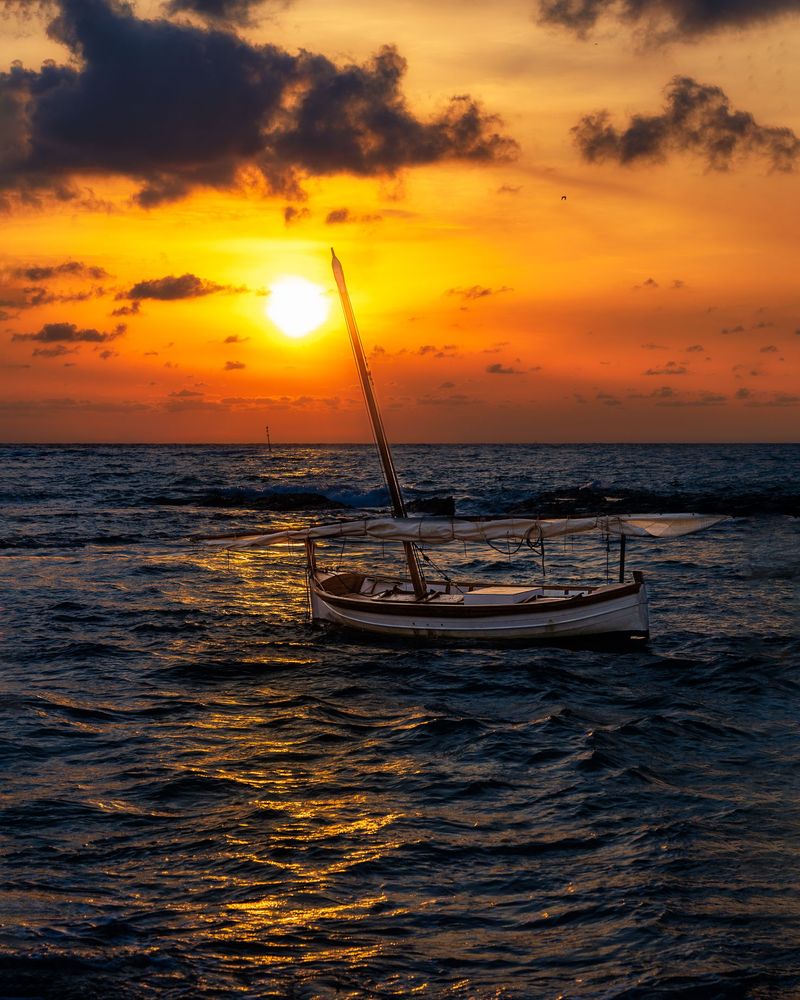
(440, 531)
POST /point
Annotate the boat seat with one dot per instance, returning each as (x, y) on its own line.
(343, 583)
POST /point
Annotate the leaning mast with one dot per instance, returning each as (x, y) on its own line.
(384, 451)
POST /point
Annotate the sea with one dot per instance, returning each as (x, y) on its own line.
(203, 794)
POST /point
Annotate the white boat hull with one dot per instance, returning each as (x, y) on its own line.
(618, 610)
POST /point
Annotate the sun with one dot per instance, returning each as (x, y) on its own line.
(297, 306)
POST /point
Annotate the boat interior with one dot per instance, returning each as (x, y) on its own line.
(373, 589)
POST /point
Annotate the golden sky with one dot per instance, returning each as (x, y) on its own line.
(560, 220)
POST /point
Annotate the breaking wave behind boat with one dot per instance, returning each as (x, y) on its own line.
(204, 795)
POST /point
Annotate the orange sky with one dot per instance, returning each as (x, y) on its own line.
(657, 301)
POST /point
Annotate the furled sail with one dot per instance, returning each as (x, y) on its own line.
(440, 531)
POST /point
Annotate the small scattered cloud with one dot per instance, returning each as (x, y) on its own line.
(697, 118)
(509, 189)
(292, 214)
(663, 21)
(607, 399)
(340, 216)
(59, 351)
(654, 347)
(234, 366)
(499, 369)
(430, 350)
(649, 284)
(670, 368)
(52, 333)
(234, 338)
(677, 285)
(477, 292)
(732, 329)
(220, 13)
(70, 268)
(186, 286)
(695, 349)
(762, 325)
(769, 349)
(454, 399)
(131, 310)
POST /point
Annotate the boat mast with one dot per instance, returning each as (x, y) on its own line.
(384, 451)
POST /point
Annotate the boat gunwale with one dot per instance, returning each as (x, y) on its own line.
(432, 609)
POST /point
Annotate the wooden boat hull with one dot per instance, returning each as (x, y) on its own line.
(619, 610)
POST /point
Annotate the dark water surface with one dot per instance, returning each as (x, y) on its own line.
(203, 795)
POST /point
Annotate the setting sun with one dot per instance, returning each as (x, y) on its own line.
(297, 306)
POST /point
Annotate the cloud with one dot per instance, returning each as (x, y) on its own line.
(226, 13)
(234, 366)
(769, 349)
(670, 368)
(293, 214)
(46, 272)
(342, 215)
(52, 333)
(187, 286)
(697, 118)
(59, 351)
(499, 369)
(695, 349)
(175, 107)
(430, 350)
(607, 399)
(235, 339)
(477, 292)
(454, 399)
(131, 310)
(650, 283)
(654, 347)
(31, 296)
(665, 20)
(732, 329)
(508, 189)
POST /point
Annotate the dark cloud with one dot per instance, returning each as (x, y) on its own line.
(175, 107)
(697, 118)
(341, 215)
(670, 368)
(431, 350)
(58, 351)
(52, 333)
(654, 347)
(131, 310)
(239, 13)
(234, 366)
(664, 20)
(769, 349)
(649, 284)
(607, 399)
(500, 369)
(71, 268)
(477, 292)
(187, 286)
(732, 329)
(293, 214)
(235, 339)
(31, 296)
(695, 349)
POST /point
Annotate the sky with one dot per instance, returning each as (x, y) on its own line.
(560, 220)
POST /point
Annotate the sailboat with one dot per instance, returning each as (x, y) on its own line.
(414, 606)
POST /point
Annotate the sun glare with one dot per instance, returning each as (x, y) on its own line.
(297, 306)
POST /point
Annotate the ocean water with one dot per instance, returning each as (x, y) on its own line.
(205, 795)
